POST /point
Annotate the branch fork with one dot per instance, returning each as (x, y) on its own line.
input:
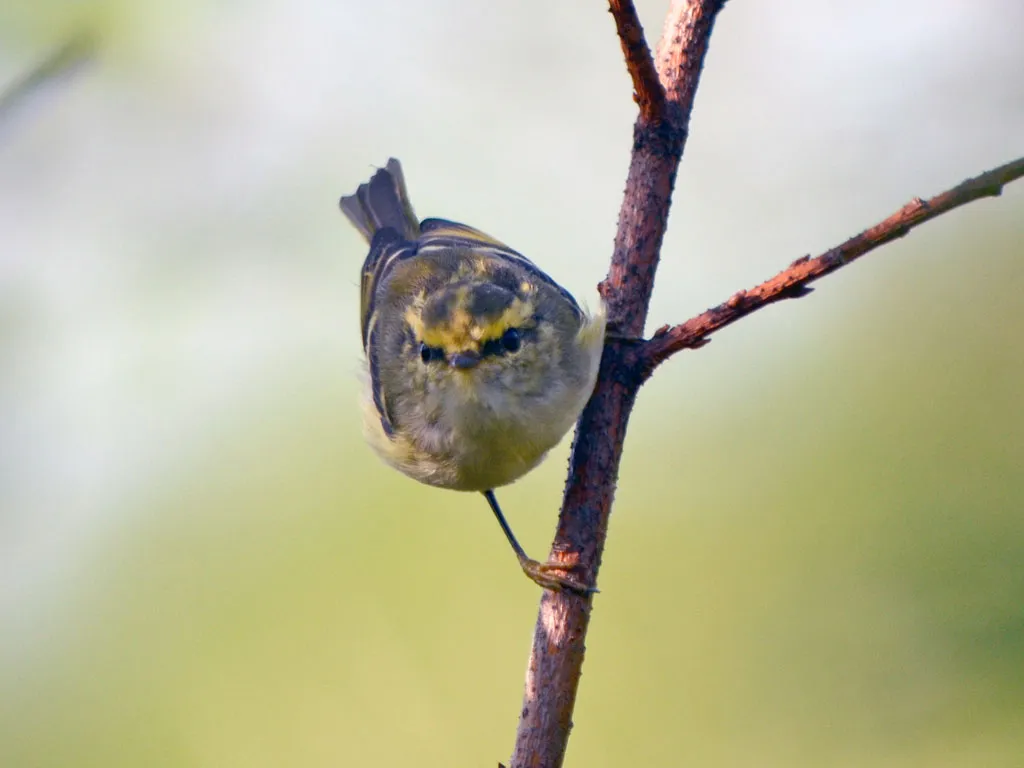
(664, 92)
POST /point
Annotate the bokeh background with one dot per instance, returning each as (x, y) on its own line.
(817, 551)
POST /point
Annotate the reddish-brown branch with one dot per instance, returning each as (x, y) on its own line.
(647, 90)
(792, 282)
(657, 149)
(556, 658)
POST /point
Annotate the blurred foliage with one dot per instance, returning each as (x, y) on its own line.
(816, 551)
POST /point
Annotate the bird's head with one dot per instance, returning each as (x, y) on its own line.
(468, 324)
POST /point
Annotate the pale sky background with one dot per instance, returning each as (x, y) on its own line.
(171, 254)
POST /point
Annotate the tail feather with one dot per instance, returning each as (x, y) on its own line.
(382, 202)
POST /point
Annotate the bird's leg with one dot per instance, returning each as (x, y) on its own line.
(544, 574)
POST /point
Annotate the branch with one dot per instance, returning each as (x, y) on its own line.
(792, 283)
(556, 658)
(657, 150)
(647, 90)
(659, 137)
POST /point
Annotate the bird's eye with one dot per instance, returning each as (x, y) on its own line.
(510, 340)
(429, 354)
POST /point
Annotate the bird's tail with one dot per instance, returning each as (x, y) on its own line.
(382, 202)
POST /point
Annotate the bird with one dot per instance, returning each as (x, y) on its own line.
(478, 362)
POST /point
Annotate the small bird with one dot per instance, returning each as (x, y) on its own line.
(478, 362)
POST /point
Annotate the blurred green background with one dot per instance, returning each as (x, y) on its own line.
(817, 550)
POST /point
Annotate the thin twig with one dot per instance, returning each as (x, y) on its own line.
(647, 90)
(556, 658)
(793, 282)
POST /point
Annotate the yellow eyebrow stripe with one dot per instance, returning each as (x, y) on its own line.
(442, 228)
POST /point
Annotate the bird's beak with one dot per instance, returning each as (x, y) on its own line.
(465, 360)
